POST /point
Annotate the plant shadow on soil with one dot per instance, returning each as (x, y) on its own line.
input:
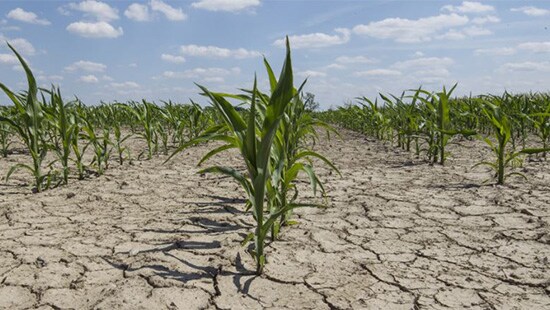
(242, 277)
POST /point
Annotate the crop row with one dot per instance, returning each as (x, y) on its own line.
(271, 131)
(424, 122)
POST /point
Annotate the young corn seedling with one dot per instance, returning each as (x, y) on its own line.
(5, 139)
(63, 123)
(75, 145)
(28, 124)
(144, 113)
(100, 144)
(437, 108)
(118, 142)
(502, 131)
(254, 137)
(541, 121)
(291, 154)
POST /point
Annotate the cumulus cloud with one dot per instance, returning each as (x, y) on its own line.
(97, 9)
(497, 51)
(89, 79)
(378, 73)
(217, 52)
(486, 20)
(172, 58)
(354, 60)
(469, 7)
(531, 11)
(22, 46)
(225, 5)
(124, 85)
(56, 78)
(215, 79)
(203, 73)
(311, 73)
(27, 17)
(335, 66)
(95, 30)
(8, 59)
(536, 47)
(316, 40)
(425, 70)
(138, 12)
(411, 30)
(527, 66)
(473, 31)
(171, 13)
(88, 66)
(425, 62)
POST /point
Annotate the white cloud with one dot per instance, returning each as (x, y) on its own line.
(124, 85)
(94, 30)
(473, 31)
(486, 20)
(335, 66)
(50, 78)
(107, 78)
(215, 79)
(476, 31)
(411, 31)
(497, 51)
(531, 11)
(311, 73)
(426, 70)
(469, 7)
(225, 5)
(198, 73)
(88, 66)
(172, 58)
(378, 73)
(8, 59)
(22, 46)
(10, 28)
(354, 60)
(426, 62)
(27, 17)
(418, 54)
(537, 47)
(137, 12)
(527, 66)
(217, 52)
(90, 79)
(316, 40)
(97, 9)
(170, 12)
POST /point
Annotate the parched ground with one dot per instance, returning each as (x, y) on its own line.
(399, 234)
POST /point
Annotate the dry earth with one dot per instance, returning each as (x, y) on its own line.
(399, 234)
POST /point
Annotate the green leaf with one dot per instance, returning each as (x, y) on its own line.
(319, 156)
(215, 151)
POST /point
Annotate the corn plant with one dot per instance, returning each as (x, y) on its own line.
(541, 121)
(144, 113)
(118, 143)
(438, 120)
(5, 139)
(254, 135)
(100, 144)
(63, 124)
(78, 151)
(28, 124)
(502, 131)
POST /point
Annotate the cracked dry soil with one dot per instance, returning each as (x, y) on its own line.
(399, 234)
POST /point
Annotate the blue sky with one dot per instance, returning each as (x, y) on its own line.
(128, 50)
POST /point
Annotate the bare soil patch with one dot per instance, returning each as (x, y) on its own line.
(399, 234)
